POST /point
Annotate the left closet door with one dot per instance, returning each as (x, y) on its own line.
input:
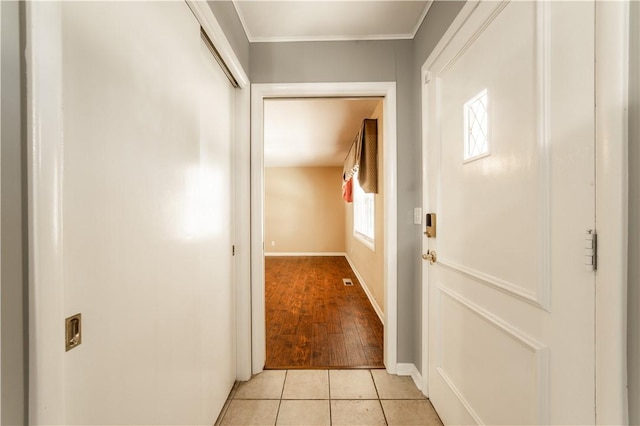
(141, 195)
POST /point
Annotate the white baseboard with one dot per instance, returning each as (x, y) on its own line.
(407, 369)
(322, 253)
(375, 305)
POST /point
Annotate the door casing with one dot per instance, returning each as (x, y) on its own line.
(259, 93)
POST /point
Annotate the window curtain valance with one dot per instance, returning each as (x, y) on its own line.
(363, 158)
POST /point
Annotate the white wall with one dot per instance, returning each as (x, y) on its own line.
(141, 190)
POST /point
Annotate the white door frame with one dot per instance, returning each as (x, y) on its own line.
(612, 42)
(259, 93)
(0, 208)
(612, 196)
(241, 186)
(45, 148)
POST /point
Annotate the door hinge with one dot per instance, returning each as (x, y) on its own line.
(591, 250)
(233, 250)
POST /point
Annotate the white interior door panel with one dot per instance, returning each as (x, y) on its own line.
(511, 305)
(146, 202)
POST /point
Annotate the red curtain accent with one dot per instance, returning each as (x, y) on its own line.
(347, 190)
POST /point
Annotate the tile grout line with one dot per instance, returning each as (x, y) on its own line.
(284, 382)
(384, 415)
(330, 397)
(374, 384)
(329, 384)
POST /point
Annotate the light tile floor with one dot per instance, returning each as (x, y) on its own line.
(327, 397)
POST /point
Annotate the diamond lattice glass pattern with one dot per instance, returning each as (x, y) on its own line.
(476, 126)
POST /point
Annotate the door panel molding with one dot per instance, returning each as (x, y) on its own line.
(530, 344)
(484, 20)
(504, 286)
(541, 297)
(543, 53)
(460, 396)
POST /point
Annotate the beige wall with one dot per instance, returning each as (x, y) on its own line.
(303, 210)
(370, 263)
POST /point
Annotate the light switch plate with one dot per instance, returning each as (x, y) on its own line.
(417, 216)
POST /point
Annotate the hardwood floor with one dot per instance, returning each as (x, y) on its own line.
(314, 320)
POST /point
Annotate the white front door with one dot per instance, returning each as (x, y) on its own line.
(509, 158)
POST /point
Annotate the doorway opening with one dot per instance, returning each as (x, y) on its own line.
(262, 94)
(317, 238)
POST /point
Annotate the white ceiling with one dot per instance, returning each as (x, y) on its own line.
(312, 132)
(313, 20)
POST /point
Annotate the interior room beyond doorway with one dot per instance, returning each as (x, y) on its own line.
(312, 244)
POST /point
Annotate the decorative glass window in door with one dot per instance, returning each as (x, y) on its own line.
(476, 127)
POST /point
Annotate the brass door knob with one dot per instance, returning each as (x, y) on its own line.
(430, 256)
